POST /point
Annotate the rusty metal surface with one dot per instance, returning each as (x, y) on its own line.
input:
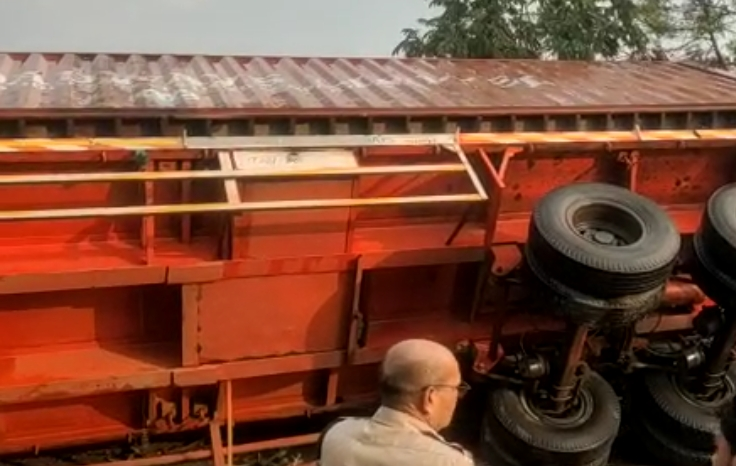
(271, 85)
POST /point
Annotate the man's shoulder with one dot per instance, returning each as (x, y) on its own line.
(454, 453)
(345, 426)
(424, 447)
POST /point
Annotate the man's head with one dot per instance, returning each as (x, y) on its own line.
(725, 454)
(422, 378)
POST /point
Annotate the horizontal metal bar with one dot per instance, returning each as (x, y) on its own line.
(67, 178)
(348, 141)
(569, 137)
(323, 142)
(224, 143)
(98, 212)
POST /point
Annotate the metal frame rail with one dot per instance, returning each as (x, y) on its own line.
(446, 142)
(341, 141)
(451, 142)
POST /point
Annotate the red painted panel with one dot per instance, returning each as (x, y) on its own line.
(82, 420)
(293, 233)
(684, 177)
(406, 292)
(530, 177)
(278, 395)
(411, 185)
(68, 196)
(267, 316)
(94, 317)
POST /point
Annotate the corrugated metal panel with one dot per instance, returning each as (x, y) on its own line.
(70, 81)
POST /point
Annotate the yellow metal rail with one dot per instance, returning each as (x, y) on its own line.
(448, 142)
(337, 141)
(173, 209)
(107, 177)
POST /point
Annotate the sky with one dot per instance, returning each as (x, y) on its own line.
(357, 28)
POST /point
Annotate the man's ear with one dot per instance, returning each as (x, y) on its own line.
(429, 398)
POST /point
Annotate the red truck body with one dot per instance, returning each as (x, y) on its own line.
(247, 296)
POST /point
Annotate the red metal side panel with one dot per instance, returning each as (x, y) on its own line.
(84, 318)
(73, 421)
(279, 395)
(78, 232)
(237, 317)
(409, 292)
(292, 233)
(296, 233)
(684, 176)
(529, 177)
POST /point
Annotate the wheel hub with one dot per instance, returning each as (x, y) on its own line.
(713, 398)
(601, 236)
(604, 237)
(577, 413)
(606, 225)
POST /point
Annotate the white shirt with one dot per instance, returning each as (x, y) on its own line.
(389, 438)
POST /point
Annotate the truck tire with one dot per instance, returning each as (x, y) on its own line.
(602, 240)
(495, 455)
(717, 285)
(717, 232)
(530, 437)
(714, 247)
(665, 450)
(491, 450)
(667, 407)
(580, 309)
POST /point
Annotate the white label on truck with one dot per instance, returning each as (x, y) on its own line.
(255, 161)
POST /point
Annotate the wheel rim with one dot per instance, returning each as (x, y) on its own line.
(576, 415)
(725, 393)
(606, 225)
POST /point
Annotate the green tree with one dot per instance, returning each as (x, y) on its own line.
(703, 30)
(699, 30)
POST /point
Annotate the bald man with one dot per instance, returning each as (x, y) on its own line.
(420, 385)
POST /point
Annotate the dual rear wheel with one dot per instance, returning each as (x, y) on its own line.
(601, 256)
(675, 414)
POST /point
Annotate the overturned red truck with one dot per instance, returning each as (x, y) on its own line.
(192, 242)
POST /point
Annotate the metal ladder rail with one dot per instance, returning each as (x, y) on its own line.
(230, 207)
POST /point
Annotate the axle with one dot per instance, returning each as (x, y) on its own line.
(718, 357)
(564, 389)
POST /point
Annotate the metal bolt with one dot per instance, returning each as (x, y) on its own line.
(603, 237)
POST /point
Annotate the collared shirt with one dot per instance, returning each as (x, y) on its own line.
(389, 438)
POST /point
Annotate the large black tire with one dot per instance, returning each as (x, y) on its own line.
(714, 247)
(532, 438)
(667, 450)
(717, 230)
(593, 312)
(692, 423)
(494, 454)
(641, 257)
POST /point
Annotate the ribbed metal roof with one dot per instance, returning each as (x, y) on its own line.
(273, 85)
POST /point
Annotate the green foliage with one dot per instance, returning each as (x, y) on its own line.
(698, 30)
